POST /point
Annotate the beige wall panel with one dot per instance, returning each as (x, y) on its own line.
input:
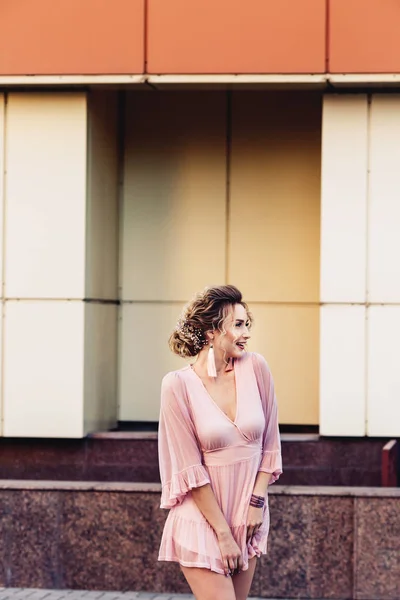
(100, 387)
(384, 204)
(288, 338)
(274, 223)
(145, 358)
(102, 201)
(46, 195)
(343, 371)
(43, 369)
(344, 198)
(174, 195)
(383, 406)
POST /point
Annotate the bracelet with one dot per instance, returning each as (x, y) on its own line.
(257, 501)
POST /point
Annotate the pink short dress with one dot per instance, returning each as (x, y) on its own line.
(199, 444)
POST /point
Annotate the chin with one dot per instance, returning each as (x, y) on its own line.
(239, 353)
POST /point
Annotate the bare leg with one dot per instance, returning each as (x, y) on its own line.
(208, 585)
(242, 581)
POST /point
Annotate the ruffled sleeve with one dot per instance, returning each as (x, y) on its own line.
(271, 461)
(179, 454)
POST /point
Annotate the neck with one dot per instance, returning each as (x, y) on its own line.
(221, 364)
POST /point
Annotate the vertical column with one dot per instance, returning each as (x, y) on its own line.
(52, 268)
(384, 268)
(343, 265)
(2, 144)
(45, 196)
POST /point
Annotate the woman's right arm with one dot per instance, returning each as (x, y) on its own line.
(208, 505)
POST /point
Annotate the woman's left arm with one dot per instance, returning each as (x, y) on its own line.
(271, 462)
(255, 515)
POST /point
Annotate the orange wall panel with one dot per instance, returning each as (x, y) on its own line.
(236, 36)
(46, 37)
(364, 36)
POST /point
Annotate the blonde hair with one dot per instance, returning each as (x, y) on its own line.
(207, 311)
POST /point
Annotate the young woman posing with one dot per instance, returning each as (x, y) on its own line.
(219, 448)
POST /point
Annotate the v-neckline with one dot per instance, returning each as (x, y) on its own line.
(235, 371)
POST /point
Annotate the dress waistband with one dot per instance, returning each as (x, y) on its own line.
(231, 454)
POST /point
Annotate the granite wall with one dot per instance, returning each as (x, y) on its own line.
(340, 543)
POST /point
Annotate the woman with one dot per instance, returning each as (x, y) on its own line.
(219, 448)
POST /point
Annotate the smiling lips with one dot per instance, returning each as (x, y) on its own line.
(241, 345)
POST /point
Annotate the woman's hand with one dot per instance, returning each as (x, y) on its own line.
(230, 552)
(254, 521)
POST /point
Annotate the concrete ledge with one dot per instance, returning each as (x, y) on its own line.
(155, 488)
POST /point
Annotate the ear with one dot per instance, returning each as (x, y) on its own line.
(209, 335)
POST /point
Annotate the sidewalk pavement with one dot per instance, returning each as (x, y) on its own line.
(39, 594)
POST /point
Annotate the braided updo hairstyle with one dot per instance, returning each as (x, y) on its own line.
(206, 312)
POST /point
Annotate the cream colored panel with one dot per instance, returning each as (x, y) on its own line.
(145, 358)
(2, 169)
(384, 198)
(344, 198)
(274, 229)
(288, 338)
(383, 371)
(2, 172)
(46, 195)
(43, 369)
(100, 394)
(102, 209)
(342, 371)
(174, 195)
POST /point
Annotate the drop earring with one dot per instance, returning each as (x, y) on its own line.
(211, 368)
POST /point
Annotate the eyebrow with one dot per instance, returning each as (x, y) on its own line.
(239, 320)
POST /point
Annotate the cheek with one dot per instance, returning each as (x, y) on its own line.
(232, 337)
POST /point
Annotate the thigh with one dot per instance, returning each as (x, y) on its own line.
(208, 585)
(242, 581)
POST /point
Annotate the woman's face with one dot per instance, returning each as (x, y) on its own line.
(232, 344)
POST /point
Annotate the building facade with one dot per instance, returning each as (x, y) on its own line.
(149, 148)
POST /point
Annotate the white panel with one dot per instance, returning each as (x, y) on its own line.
(384, 195)
(383, 371)
(43, 369)
(2, 170)
(344, 198)
(174, 195)
(2, 142)
(100, 394)
(46, 195)
(275, 187)
(145, 358)
(342, 370)
(102, 209)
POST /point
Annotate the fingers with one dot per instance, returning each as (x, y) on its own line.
(233, 565)
(252, 530)
(240, 563)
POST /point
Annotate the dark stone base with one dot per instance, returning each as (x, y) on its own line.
(132, 457)
(325, 543)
